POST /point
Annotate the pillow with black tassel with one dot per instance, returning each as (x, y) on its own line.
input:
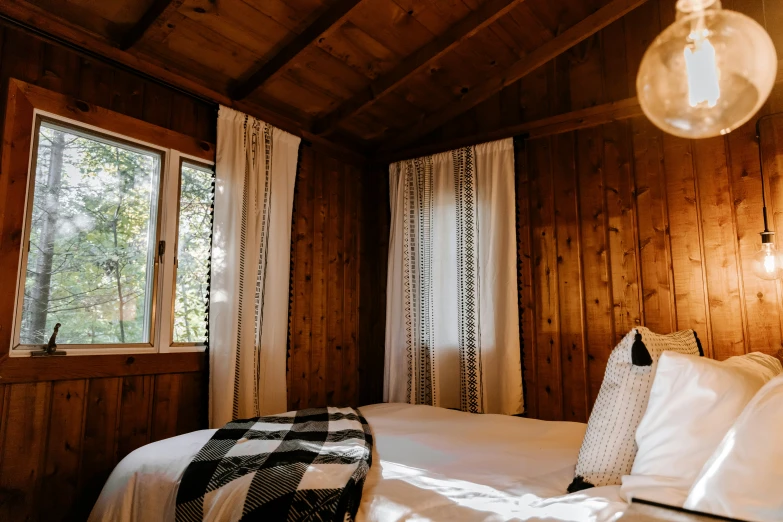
(609, 447)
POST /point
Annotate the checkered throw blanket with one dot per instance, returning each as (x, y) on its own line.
(302, 465)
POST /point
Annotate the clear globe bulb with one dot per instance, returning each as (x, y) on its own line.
(707, 73)
(767, 263)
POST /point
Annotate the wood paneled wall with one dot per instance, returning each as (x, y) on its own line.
(63, 430)
(622, 225)
(59, 440)
(333, 359)
(323, 354)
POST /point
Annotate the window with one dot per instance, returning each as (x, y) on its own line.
(101, 211)
(92, 232)
(193, 246)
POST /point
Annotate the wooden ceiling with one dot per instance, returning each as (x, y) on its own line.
(367, 74)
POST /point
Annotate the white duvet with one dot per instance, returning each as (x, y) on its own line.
(428, 464)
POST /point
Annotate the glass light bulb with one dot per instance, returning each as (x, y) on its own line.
(707, 73)
(768, 262)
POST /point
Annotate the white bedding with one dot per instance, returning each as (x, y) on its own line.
(428, 464)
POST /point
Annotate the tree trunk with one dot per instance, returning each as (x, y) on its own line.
(117, 270)
(43, 266)
(187, 312)
(117, 274)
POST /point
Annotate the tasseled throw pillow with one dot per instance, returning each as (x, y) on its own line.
(609, 447)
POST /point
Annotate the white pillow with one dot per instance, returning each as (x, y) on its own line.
(693, 403)
(744, 477)
(608, 449)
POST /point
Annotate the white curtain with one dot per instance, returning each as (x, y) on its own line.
(452, 320)
(248, 316)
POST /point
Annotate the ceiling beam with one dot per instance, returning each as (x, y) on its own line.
(43, 24)
(557, 124)
(418, 61)
(604, 16)
(159, 10)
(333, 17)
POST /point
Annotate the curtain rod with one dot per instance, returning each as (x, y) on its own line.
(436, 149)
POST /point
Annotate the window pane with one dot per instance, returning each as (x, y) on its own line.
(92, 234)
(193, 248)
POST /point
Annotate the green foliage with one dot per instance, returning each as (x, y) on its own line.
(95, 272)
(195, 229)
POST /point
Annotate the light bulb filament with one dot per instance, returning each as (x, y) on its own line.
(702, 70)
(769, 263)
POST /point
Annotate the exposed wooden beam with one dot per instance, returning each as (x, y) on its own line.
(421, 59)
(158, 12)
(611, 12)
(566, 122)
(38, 21)
(333, 17)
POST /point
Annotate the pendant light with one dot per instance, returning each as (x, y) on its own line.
(707, 73)
(767, 262)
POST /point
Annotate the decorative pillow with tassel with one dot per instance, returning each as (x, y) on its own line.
(609, 447)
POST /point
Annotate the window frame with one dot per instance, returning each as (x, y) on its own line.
(176, 346)
(174, 149)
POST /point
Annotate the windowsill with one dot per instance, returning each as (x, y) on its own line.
(23, 368)
(125, 350)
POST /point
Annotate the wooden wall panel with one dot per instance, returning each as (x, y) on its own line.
(99, 437)
(762, 318)
(59, 440)
(135, 410)
(25, 426)
(686, 239)
(653, 223)
(545, 277)
(61, 436)
(720, 240)
(527, 299)
(599, 330)
(66, 424)
(374, 219)
(335, 176)
(621, 224)
(338, 280)
(302, 238)
(571, 314)
(165, 406)
(667, 232)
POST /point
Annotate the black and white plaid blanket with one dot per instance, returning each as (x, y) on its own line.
(303, 465)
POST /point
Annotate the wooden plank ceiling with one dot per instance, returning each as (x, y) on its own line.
(368, 74)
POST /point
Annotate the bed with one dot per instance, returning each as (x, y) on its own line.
(428, 464)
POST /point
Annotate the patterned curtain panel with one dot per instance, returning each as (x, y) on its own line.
(254, 191)
(452, 323)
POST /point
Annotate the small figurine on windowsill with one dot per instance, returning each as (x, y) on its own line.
(51, 347)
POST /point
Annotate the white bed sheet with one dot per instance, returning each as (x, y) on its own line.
(428, 464)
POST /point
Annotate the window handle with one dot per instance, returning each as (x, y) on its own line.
(161, 250)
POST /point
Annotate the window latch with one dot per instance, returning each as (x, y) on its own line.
(50, 348)
(161, 250)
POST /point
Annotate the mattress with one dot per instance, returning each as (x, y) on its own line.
(428, 464)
